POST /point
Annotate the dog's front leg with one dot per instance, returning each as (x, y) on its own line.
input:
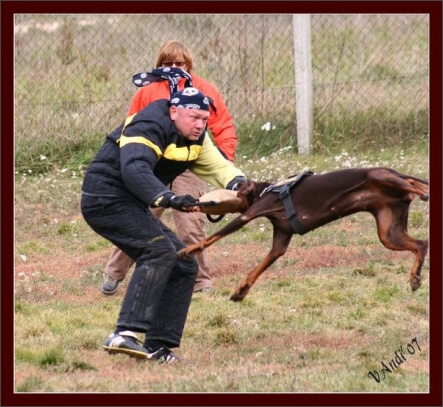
(231, 227)
(191, 250)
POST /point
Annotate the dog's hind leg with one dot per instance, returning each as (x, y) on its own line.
(385, 178)
(392, 223)
(280, 243)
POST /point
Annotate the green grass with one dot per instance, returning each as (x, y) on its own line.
(323, 316)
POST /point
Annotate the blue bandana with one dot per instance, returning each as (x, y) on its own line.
(172, 74)
(190, 98)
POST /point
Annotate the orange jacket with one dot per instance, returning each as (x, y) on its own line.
(220, 122)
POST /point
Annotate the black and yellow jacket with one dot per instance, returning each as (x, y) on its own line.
(147, 152)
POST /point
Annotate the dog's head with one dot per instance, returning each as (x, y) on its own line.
(249, 192)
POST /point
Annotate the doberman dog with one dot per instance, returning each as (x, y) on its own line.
(318, 199)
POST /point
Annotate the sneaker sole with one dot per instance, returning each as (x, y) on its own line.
(108, 292)
(129, 352)
(164, 362)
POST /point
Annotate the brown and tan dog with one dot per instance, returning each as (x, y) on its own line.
(322, 198)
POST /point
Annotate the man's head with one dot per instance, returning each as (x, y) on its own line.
(174, 53)
(189, 110)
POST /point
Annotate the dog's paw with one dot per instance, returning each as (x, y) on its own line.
(416, 283)
(240, 293)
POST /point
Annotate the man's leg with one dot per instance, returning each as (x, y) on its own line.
(160, 290)
(116, 269)
(118, 265)
(191, 226)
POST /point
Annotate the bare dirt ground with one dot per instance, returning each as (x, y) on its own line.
(226, 260)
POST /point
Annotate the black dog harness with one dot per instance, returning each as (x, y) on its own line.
(283, 188)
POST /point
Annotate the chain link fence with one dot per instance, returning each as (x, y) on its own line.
(370, 75)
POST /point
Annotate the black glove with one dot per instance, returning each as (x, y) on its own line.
(233, 185)
(178, 202)
(164, 200)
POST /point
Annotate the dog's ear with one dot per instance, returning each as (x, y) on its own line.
(246, 192)
(246, 188)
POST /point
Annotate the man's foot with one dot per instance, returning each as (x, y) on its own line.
(109, 285)
(125, 342)
(203, 290)
(164, 355)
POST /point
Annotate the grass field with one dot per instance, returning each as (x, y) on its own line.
(328, 317)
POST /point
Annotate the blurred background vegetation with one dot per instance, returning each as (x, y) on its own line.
(73, 79)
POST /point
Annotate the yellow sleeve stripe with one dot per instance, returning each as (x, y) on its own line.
(141, 140)
(175, 153)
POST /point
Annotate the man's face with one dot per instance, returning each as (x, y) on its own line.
(190, 122)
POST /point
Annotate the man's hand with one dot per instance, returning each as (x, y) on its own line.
(178, 202)
(233, 185)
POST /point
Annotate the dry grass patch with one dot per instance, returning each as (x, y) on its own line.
(324, 315)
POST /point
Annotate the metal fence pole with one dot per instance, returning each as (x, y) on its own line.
(303, 81)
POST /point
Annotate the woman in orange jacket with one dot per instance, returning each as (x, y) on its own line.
(190, 226)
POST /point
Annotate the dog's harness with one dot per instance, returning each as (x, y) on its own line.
(283, 188)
